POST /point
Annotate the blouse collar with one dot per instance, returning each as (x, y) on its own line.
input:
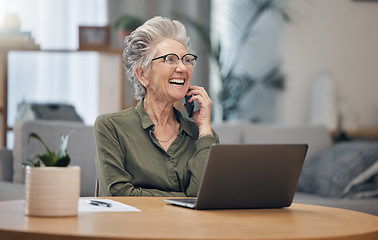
(148, 123)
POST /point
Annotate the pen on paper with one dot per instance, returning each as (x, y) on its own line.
(99, 203)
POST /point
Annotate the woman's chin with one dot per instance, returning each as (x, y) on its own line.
(178, 91)
(176, 97)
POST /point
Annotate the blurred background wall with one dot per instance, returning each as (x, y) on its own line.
(326, 53)
(337, 38)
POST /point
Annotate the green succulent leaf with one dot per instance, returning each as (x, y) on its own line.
(36, 136)
(64, 144)
(63, 161)
(31, 163)
(50, 158)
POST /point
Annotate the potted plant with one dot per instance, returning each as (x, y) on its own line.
(52, 186)
(125, 25)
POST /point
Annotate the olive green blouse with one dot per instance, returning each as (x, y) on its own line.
(131, 162)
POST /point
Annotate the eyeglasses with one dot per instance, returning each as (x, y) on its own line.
(172, 60)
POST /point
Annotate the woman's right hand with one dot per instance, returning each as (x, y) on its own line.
(202, 116)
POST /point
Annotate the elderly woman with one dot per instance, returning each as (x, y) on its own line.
(152, 150)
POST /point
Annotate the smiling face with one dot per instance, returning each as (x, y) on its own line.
(165, 83)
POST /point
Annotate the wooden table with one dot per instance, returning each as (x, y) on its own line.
(158, 220)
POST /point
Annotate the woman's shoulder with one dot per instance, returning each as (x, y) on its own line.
(120, 116)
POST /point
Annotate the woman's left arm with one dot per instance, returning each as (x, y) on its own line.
(206, 138)
(196, 165)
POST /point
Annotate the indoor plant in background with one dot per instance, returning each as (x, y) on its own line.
(52, 186)
(235, 85)
(125, 25)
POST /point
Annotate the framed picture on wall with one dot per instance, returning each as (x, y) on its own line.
(94, 37)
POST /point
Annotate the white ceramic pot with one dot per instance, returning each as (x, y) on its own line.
(52, 191)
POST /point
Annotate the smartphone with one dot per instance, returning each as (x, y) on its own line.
(189, 105)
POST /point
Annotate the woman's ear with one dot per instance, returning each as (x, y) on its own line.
(141, 74)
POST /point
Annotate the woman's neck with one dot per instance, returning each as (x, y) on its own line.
(160, 113)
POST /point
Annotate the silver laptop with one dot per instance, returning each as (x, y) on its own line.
(248, 176)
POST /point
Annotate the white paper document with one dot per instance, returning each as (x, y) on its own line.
(105, 205)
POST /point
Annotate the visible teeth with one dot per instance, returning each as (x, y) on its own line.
(177, 81)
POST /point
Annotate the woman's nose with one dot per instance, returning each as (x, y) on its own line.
(181, 67)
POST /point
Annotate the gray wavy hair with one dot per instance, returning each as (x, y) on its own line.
(139, 46)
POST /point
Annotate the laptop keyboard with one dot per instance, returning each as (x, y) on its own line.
(190, 200)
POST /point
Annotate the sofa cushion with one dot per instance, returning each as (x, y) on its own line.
(11, 191)
(6, 165)
(230, 132)
(316, 136)
(331, 171)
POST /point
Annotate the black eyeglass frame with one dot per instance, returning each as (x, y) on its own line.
(182, 58)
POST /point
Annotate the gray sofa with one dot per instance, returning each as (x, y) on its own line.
(81, 148)
(82, 151)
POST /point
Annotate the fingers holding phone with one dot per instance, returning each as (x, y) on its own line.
(189, 105)
(203, 115)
